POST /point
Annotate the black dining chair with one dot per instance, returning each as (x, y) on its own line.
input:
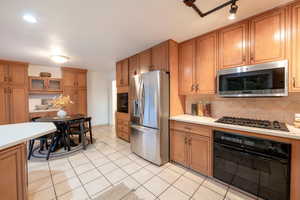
(43, 142)
(81, 127)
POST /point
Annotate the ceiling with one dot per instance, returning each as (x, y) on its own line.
(97, 33)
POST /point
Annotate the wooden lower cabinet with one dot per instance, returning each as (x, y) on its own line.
(13, 173)
(123, 126)
(192, 150)
(19, 105)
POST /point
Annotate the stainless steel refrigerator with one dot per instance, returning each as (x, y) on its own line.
(150, 116)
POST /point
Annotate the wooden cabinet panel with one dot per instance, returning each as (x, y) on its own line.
(145, 61)
(125, 72)
(178, 147)
(233, 46)
(206, 63)
(295, 61)
(199, 154)
(69, 78)
(119, 74)
(186, 67)
(13, 173)
(81, 80)
(18, 74)
(3, 73)
(133, 66)
(267, 32)
(18, 104)
(82, 101)
(4, 106)
(160, 57)
(73, 93)
(123, 126)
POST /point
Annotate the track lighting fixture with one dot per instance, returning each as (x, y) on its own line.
(233, 8)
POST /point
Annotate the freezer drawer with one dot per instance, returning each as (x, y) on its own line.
(146, 142)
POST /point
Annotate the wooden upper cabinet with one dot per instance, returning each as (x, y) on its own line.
(19, 110)
(4, 106)
(178, 147)
(295, 61)
(200, 154)
(81, 80)
(233, 45)
(69, 78)
(3, 73)
(133, 66)
(267, 37)
(206, 63)
(186, 67)
(122, 75)
(18, 74)
(145, 61)
(160, 57)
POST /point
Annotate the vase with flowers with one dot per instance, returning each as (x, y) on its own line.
(61, 102)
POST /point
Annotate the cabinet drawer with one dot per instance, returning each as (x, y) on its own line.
(123, 128)
(191, 128)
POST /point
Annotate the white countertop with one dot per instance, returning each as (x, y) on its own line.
(13, 134)
(294, 132)
(39, 111)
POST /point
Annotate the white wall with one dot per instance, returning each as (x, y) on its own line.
(34, 70)
(98, 93)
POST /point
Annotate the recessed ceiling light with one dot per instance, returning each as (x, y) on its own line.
(30, 18)
(59, 59)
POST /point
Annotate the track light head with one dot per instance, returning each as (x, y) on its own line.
(189, 3)
(233, 11)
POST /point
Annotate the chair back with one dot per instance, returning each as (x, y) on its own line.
(34, 119)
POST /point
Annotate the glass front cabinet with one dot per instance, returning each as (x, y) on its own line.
(45, 85)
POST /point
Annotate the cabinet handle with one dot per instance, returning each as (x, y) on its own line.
(294, 82)
(10, 79)
(193, 87)
(244, 58)
(252, 57)
(197, 87)
(185, 140)
(5, 79)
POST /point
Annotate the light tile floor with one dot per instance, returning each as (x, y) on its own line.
(108, 162)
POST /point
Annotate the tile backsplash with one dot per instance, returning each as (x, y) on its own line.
(276, 108)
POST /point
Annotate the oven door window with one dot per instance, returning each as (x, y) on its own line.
(258, 175)
(253, 82)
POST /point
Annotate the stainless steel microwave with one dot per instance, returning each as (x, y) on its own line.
(267, 79)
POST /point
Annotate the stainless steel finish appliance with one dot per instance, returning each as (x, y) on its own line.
(268, 79)
(150, 116)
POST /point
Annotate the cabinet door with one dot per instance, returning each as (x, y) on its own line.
(145, 61)
(178, 147)
(73, 93)
(13, 171)
(233, 47)
(267, 33)
(18, 74)
(69, 78)
(4, 106)
(125, 72)
(119, 74)
(206, 61)
(160, 57)
(54, 85)
(82, 101)
(81, 80)
(133, 66)
(37, 84)
(186, 67)
(3, 73)
(295, 69)
(200, 153)
(18, 104)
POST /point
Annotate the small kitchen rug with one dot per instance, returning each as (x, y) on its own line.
(118, 192)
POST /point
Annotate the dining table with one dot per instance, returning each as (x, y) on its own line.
(61, 124)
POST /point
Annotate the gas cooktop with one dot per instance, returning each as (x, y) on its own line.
(273, 125)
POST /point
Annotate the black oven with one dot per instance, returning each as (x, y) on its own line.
(258, 166)
(268, 79)
(122, 102)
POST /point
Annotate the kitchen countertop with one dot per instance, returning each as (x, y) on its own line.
(13, 134)
(294, 132)
(39, 111)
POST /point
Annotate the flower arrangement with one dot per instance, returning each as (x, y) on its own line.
(61, 101)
